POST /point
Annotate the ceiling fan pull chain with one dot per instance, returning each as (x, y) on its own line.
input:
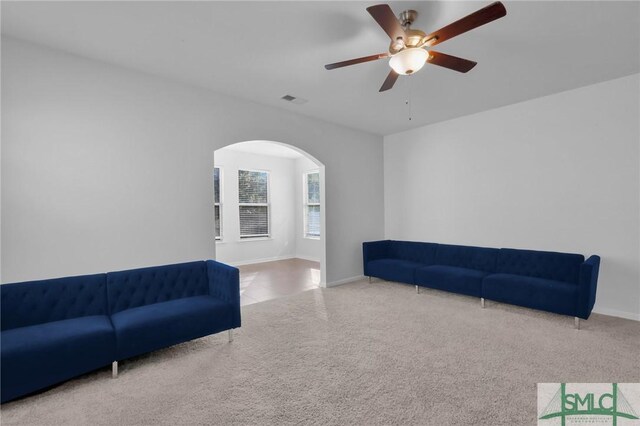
(408, 101)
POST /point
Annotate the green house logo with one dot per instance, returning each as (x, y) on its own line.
(585, 404)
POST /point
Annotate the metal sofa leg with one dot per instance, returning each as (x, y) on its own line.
(231, 335)
(369, 280)
(576, 323)
(482, 302)
(114, 369)
(417, 289)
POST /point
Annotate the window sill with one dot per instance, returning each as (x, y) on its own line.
(311, 238)
(244, 240)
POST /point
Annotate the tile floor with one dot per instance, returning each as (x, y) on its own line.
(270, 280)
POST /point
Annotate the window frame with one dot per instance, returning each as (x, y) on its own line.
(306, 204)
(254, 237)
(219, 203)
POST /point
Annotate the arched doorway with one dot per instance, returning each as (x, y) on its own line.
(269, 215)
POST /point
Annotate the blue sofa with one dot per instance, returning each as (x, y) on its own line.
(53, 330)
(555, 282)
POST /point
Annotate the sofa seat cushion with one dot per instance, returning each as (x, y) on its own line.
(451, 278)
(393, 269)
(537, 293)
(39, 356)
(151, 327)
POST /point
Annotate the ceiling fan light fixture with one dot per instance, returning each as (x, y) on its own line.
(409, 61)
(408, 46)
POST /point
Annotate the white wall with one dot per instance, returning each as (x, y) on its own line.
(105, 168)
(282, 242)
(306, 248)
(556, 173)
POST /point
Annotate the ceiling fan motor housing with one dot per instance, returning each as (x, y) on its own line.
(413, 38)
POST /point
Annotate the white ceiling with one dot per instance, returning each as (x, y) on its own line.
(272, 149)
(263, 50)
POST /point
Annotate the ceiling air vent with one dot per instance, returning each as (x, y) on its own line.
(294, 100)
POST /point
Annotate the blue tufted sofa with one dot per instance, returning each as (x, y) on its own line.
(53, 330)
(152, 308)
(555, 282)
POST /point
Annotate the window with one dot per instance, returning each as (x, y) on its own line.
(217, 205)
(311, 186)
(253, 197)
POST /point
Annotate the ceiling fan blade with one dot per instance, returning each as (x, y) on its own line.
(389, 81)
(451, 62)
(356, 61)
(476, 19)
(385, 17)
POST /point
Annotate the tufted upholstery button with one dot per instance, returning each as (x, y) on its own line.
(130, 289)
(37, 302)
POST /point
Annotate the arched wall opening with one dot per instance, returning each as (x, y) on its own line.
(286, 166)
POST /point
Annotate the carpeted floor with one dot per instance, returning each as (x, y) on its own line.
(356, 354)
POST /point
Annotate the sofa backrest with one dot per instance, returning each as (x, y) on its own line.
(412, 251)
(480, 258)
(146, 286)
(541, 264)
(37, 302)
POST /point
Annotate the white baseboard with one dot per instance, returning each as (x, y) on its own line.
(271, 259)
(263, 260)
(310, 258)
(616, 313)
(345, 281)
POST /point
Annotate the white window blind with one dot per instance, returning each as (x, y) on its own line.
(253, 197)
(217, 205)
(312, 205)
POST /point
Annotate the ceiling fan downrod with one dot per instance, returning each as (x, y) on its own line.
(407, 17)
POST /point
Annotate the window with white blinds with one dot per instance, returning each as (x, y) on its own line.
(217, 205)
(253, 197)
(311, 185)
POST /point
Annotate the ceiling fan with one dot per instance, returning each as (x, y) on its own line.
(408, 49)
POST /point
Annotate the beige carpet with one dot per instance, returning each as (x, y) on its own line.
(357, 354)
